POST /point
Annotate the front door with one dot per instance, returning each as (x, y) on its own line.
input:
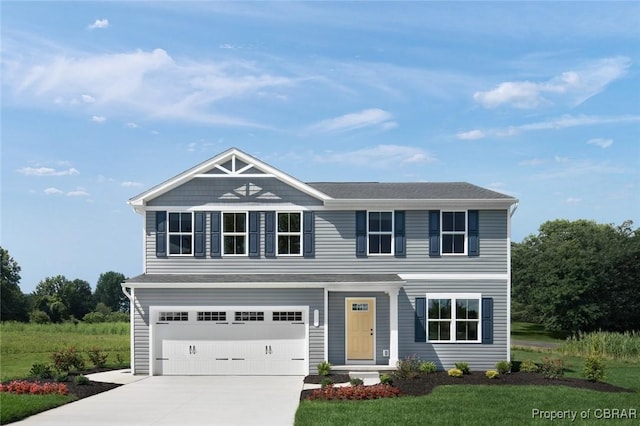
(360, 333)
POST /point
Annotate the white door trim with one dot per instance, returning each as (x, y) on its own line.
(372, 303)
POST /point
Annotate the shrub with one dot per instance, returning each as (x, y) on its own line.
(528, 366)
(39, 317)
(119, 359)
(118, 317)
(428, 367)
(620, 346)
(324, 368)
(41, 371)
(386, 379)
(94, 317)
(408, 367)
(61, 377)
(97, 357)
(492, 374)
(463, 366)
(356, 381)
(355, 392)
(455, 372)
(326, 382)
(24, 387)
(593, 368)
(66, 359)
(552, 368)
(81, 380)
(503, 367)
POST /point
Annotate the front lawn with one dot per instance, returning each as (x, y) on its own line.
(16, 407)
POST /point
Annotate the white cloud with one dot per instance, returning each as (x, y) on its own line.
(88, 99)
(352, 121)
(602, 143)
(131, 184)
(573, 201)
(471, 135)
(380, 156)
(574, 87)
(99, 24)
(132, 125)
(53, 191)
(47, 171)
(78, 192)
(98, 119)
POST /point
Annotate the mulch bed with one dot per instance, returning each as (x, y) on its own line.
(424, 383)
(81, 391)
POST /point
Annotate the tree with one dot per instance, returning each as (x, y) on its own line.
(13, 304)
(579, 275)
(109, 291)
(60, 298)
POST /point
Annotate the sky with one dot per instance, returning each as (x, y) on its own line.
(103, 100)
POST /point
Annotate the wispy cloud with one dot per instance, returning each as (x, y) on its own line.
(99, 24)
(78, 192)
(98, 119)
(602, 143)
(53, 191)
(131, 184)
(47, 171)
(380, 156)
(132, 125)
(356, 120)
(574, 87)
(471, 135)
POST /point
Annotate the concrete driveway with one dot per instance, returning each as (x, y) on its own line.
(180, 400)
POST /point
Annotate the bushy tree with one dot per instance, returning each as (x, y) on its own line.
(109, 291)
(579, 275)
(13, 304)
(60, 298)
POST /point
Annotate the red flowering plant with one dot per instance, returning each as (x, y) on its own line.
(34, 388)
(359, 392)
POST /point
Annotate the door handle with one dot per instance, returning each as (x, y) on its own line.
(194, 349)
(269, 349)
(190, 350)
(266, 350)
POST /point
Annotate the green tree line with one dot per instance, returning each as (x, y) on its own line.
(57, 299)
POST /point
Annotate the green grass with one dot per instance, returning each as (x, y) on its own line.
(23, 344)
(535, 332)
(622, 346)
(16, 407)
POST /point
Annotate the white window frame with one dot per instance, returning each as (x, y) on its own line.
(392, 233)
(170, 233)
(465, 234)
(288, 234)
(244, 234)
(452, 329)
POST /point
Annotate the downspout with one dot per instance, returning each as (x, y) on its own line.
(512, 210)
(131, 327)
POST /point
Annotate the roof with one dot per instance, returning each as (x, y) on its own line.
(263, 278)
(407, 191)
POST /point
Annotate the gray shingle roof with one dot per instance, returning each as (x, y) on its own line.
(264, 278)
(406, 191)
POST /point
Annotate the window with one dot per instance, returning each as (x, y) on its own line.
(173, 316)
(234, 233)
(453, 318)
(287, 316)
(249, 316)
(380, 232)
(180, 233)
(359, 306)
(212, 316)
(454, 232)
(289, 233)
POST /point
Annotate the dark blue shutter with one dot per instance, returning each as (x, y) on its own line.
(308, 249)
(361, 233)
(420, 327)
(198, 235)
(254, 250)
(215, 234)
(270, 234)
(487, 320)
(473, 236)
(161, 234)
(434, 233)
(399, 237)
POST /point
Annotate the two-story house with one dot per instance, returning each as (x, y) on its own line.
(248, 270)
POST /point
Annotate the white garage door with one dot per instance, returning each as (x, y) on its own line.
(224, 341)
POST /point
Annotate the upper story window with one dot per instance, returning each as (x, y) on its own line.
(454, 232)
(234, 233)
(180, 233)
(289, 233)
(380, 232)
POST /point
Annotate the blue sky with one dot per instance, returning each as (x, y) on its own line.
(101, 101)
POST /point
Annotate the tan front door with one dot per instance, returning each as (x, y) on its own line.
(360, 335)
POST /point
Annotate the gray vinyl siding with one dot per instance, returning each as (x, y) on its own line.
(479, 356)
(314, 298)
(335, 250)
(337, 314)
(222, 191)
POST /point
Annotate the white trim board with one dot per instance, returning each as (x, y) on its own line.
(454, 276)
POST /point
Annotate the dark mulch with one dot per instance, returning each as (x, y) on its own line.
(334, 377)
(81, 391)
(424, 383)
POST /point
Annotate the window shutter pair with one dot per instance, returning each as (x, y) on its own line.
(399, 233)
(308, 234)
(473, 238)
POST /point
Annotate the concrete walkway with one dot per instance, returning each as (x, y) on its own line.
(184, 400)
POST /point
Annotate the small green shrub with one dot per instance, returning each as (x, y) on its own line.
(118, 317)
(386, 379)
(491, 374)
(39, 317)
(61, 377)
(326, 382)
(356, 381)
(119, 359)
(66, 359)
(455, 372)
(594, 368)
(97, 357)
(463, 366)
(503, 367)
(324, 368)
(41, 371)
(552, 368)
(528, 366)
(81, 380)
(408, 367)
(94, 317)
(428, 367)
